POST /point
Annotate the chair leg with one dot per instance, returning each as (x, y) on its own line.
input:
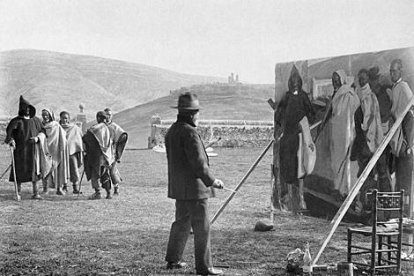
(389, 247)
(349, 246)
(380, 243)
(373, 253)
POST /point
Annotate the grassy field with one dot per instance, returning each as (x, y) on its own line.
(127, 235)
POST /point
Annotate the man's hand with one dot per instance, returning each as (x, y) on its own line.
(12, 143)
(218, 184)
(34, 140)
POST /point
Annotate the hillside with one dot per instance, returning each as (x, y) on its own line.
(63, 81)
(218, 101)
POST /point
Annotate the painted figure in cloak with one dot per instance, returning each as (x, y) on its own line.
(344, 104)
(58, 149)
(99, 156)
(75, 148)
(23, 133)
(369, 133)
(379, 86)
(294, 106)
(120, 138)
(403, 140)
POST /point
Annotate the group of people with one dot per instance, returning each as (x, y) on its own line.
(54, 152)
(357, 118)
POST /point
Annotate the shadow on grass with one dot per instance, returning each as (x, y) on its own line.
(26, 194)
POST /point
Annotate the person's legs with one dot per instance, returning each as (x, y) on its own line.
(74, 172)
(384, 177)
(180, 230)
(95, 186)
(35, 191)
(116, 178)
(201, 227)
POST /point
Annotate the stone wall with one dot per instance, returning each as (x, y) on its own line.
(232, 133)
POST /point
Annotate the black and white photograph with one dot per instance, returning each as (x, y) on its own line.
(207, 137)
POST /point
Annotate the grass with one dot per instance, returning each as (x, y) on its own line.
(127, 235)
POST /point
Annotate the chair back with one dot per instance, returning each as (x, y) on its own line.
(387, 209)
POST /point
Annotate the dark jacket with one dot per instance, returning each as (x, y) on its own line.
(189, 177)
(21, 130)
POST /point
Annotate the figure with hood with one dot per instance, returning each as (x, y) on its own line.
(343, 106)
(75, 148)
(294, 106)
(99, 156)
(57, 147)
(120, 138)
(23, 132)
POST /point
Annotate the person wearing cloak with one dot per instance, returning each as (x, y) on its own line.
(120, 138)
(343, 106)
(57, 148)
(402, 143)
(379, 86)
(99, 156)
(294, 106)
(75, 148)
(369, 134)
(23, 133)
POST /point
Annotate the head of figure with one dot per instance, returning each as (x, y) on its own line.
(295, 81)
(64, 118)
(363, 77)
(46, 116)
(26, 109)
(336, 81)
(108, 112)
(396, 70)
(101, 117)
(189, 106)
(374, 75)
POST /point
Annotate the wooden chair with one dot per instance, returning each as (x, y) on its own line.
(384, 250)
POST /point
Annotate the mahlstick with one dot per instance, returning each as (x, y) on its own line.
(14, 174)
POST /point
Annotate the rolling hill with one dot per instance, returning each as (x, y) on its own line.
(62, 81)
(218, 101)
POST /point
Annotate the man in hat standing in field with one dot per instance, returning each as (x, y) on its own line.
(190, 183)
(120, 138)
(22, 134)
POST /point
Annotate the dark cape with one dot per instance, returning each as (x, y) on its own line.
(21, 130)
(291, 109)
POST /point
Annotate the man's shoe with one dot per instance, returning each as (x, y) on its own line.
(65, 189)
(95, 196)
(211, 271)
(60, 192)
(37, 197)
(108, 196)
(176, 265)
(116, 191)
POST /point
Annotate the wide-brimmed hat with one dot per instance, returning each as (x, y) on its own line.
(188, 101)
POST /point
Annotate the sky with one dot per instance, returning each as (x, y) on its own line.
(208, 37)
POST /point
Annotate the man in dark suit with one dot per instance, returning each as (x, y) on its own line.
(190, 183)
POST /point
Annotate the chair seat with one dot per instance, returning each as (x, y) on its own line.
(385, 230)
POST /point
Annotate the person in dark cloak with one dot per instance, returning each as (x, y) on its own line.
(22, 132)
(293, 107)
(379, 87)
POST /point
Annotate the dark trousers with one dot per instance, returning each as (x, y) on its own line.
(191, 214)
